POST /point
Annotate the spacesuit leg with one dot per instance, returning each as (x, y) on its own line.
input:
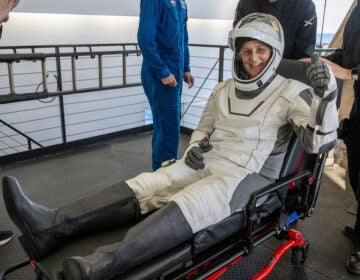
(199, 204)
(218, 195)
(161, 231)
(153, 190)
(44, 228)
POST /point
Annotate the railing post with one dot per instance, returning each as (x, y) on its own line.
(124, 69)
(29, 144)
(221, 64)
(44, 78)
(100, 71)
(73, 71)
(61, 98)
(11, 78)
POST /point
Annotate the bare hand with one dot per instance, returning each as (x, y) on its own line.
(5, 8)
(339, 72)
(169, 81)
(189, 79)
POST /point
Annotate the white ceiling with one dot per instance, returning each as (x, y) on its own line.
(203, 9)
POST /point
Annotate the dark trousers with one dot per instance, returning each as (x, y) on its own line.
(165, 103)
(352, 142)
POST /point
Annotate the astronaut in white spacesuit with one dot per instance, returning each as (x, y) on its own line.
(237, 148)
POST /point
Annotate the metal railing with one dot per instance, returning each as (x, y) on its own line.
(65, 110)
(16, 57)
(74, 73)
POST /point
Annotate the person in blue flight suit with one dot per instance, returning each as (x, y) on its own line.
(163, 41)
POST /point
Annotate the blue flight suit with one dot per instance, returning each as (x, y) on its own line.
(163, 41)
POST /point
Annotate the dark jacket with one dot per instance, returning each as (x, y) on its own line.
(349, 54)
(297, 17)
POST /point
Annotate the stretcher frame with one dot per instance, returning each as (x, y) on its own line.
(297, 193)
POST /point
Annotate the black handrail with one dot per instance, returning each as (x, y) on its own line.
(29, 139)
(15, 57)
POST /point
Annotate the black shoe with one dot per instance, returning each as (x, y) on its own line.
(353, 263)
(348, 232)
(5, 237)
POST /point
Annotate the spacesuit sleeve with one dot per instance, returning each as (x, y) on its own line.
(186, 49)
(315, 119)
(150, 13)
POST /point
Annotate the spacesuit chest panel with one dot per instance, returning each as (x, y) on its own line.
(247, 107)
(247, 139)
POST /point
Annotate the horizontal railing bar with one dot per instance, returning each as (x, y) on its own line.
(8, 58)
(39, 95)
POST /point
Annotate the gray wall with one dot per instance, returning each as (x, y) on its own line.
(208, 9)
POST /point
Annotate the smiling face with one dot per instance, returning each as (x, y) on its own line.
(255, 55)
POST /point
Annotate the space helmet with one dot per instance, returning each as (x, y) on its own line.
(262, 27)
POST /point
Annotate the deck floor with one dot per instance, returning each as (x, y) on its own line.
(55, 180)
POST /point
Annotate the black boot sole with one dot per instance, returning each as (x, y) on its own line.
(27, 240)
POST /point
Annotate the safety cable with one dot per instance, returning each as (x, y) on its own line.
(196, 94)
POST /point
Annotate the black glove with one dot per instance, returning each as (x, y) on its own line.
(205, 145)
(194, 158)
(319, 76)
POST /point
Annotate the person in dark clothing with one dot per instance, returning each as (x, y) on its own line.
(299, 27)
(5, 7)
(345, 63)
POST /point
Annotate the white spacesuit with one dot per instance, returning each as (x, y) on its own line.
(239, 146)
(249, 127)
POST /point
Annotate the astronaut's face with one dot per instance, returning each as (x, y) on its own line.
(255, 55)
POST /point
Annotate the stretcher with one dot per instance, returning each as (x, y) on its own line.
(269, 213)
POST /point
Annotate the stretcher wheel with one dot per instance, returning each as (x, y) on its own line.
(299, 255)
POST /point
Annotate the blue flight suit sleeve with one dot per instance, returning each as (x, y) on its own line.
(186, 49)
(150, 15)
